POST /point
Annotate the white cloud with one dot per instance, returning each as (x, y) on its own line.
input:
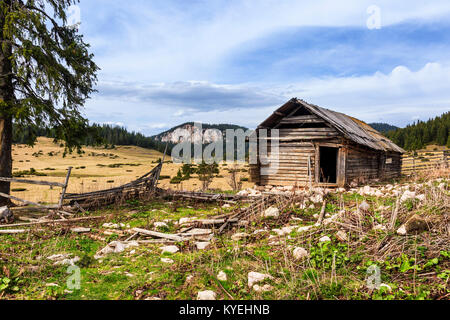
(393, 96)
(397, 98)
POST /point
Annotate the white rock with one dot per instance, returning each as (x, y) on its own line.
(421, 197)
(264, 288)
(255, 277)
(300, 253)
(442, 186)
(222, 276)
(115, 247)
(226, 205)
(402, 230)
(167, 260)
(206, 295)
(364, 206)
(202, 245)
(379, 194)
(160, 224)
(57, 257)
(170, 249)
(407, 195)
(379, 227)
(272, 212)
(259, 231)
(324, 239)
(303, 229)
(318, 198)
(239, 236)
(341, 236)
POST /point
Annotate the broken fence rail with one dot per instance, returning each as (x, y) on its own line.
(37, 182)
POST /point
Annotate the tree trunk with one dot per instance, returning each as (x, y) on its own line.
(6, 100)
(5, 156)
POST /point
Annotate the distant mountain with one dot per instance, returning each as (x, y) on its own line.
(186, 130)
(383, 127)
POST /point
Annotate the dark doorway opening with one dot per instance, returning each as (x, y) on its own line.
(328, 164)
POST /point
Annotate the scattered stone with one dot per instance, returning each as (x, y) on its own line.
(318, 198)
(202, 245)
(115, 247)
(259, 231)
(379, 227)
(264, 288)
(226, 205)
(170, 249)
(222, 276)
(160, 225)
(303, 229)
(324, 239)
(206, 295)
(364, 206)
(407, 195)
(342, 236)
(239, 236)
(300, 253)
(167, 260)
(255, 277)
(272, 212)
(421, 197)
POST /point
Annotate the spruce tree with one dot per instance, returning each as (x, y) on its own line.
(46, 75)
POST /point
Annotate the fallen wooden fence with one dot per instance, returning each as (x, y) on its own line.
(43, 183)
(138, 188)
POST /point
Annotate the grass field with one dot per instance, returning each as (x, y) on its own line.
(95, 169)
(412, 267)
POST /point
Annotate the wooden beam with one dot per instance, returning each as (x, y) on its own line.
(64, 188)
(42, 183)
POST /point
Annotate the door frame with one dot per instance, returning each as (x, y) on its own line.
(341, 163)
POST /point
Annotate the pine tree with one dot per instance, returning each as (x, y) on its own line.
(46, 75)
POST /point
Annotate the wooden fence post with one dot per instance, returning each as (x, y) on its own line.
(63, 192)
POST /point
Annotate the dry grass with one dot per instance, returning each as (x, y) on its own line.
(92, 171)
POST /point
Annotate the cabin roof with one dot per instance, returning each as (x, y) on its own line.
(352, 128)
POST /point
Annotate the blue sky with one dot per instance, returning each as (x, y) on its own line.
(170, 61)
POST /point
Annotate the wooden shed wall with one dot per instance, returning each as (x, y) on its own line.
(364, 164)
(298, 134)
(301, 132)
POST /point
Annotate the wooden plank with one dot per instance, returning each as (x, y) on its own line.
(158, 234)
(42, 183)
(51, 222)
(63, 192)
(12, 231)
(20, 200)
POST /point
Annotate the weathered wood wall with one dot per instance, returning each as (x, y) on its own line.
(298, 135)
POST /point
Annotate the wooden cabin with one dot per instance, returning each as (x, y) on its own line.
(321, 147)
